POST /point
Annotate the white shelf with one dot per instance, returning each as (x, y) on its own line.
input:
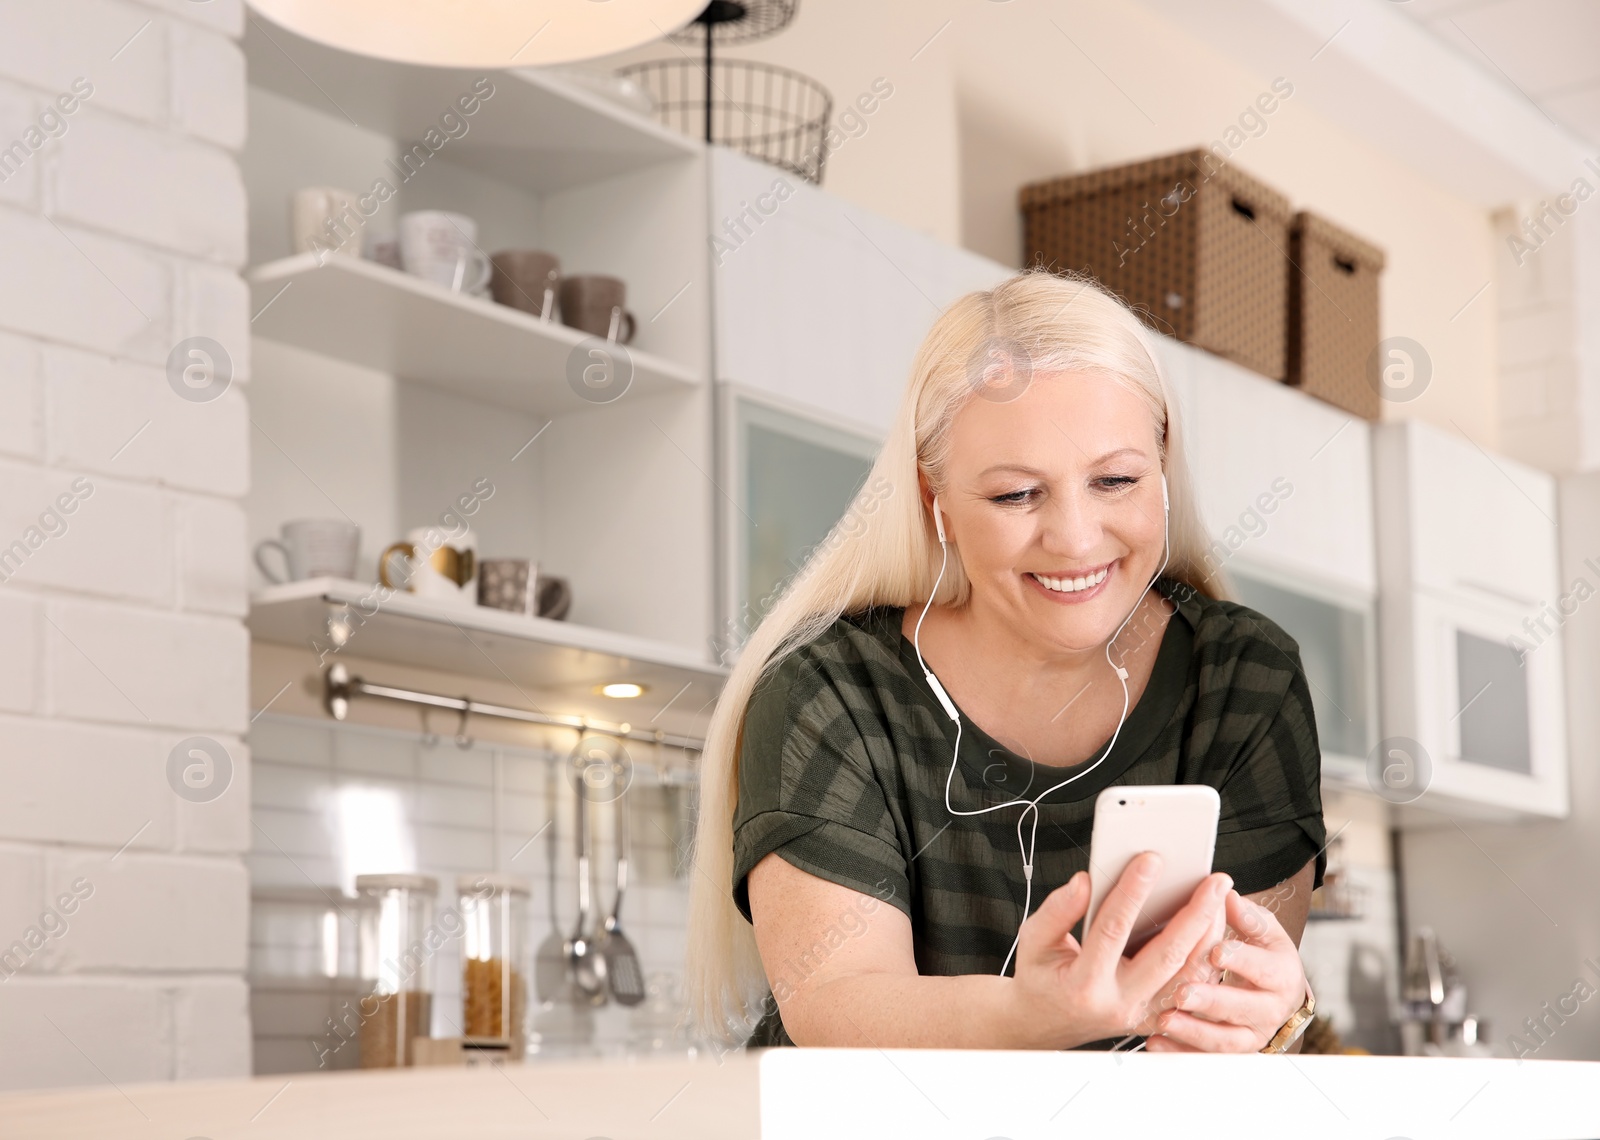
(534, 131)
(552, 657)
(369, 314)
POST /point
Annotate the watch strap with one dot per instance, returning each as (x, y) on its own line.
(1291, 1030)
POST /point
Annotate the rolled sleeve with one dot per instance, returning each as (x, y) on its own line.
(1271, 824)
(807, 791)
(824, 848)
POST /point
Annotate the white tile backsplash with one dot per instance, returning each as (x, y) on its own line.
(290, 741)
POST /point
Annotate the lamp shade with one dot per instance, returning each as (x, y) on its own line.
(481, 33)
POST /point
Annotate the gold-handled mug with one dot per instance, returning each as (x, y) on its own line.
(446, 571)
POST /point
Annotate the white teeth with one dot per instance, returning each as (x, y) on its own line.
(1072, 585)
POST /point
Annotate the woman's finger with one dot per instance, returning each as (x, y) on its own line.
(1256, 924)
(1277, 970)
(1210, 1036)
(1164, 955)
(1160, 1044)
(1251, 1008)
(1119, 912)
(1049, 928)
(1197, 969)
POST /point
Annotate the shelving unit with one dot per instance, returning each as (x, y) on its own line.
(541, 163)
(535, 131)
(353, 619)
(368, 314)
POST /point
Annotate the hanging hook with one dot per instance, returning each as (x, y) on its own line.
(462, 739)
(429, 737)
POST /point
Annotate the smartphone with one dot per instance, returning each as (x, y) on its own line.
(1177, 822)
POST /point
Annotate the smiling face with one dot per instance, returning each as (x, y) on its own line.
(1054, 502)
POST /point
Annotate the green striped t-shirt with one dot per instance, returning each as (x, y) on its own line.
(845, 753)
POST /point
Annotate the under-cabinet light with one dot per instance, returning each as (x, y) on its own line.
(621, 689)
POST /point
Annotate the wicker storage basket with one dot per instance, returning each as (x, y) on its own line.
(1333, 315)
(1199, 248)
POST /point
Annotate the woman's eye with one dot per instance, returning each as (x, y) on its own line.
(1117, 482)
(1013, 497)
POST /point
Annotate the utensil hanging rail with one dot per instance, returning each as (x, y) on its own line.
(340, 687)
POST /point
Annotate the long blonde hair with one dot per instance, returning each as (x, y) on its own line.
(884, 552)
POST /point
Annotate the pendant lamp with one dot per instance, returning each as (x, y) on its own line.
(481, 33)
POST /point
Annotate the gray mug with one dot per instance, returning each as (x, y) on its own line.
(515, 585)
(312, 548)
(596, 304)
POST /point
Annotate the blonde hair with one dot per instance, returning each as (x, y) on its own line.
(884, 552)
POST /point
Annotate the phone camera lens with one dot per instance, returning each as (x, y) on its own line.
(1124, 803)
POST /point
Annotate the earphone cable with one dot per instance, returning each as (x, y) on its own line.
(1032, 805)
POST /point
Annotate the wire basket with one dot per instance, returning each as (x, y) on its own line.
(737, 21)
(767, 112)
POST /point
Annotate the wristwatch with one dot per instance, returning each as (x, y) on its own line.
(1294, 1027)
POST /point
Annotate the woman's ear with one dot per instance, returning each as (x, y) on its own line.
(931, 501)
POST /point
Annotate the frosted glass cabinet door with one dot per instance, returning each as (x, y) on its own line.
(1337, 652)
(794, 478)
(1487, 706)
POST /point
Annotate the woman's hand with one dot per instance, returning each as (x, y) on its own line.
(1065, 994)
(1266, 984)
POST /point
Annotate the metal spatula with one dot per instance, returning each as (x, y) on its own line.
(623, 974)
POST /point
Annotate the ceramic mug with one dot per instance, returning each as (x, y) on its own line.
(326, 219)
(526, 279)
(596, 304)
(436, 566)
(555, 598)
(384, 249)
(312, 548)
(443, 248)
(515, 585)
(510, 584)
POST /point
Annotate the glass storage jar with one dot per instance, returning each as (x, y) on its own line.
(393, 953)
(494, 948)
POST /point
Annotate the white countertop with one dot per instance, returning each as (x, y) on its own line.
(842, 1094)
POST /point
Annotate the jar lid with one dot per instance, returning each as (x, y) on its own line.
(473, 884)
(397, 883)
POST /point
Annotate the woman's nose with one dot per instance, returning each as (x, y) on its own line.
(1072, 529)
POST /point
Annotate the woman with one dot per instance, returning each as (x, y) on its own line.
(1082, 641)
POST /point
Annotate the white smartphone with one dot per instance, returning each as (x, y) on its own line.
(1177, 822)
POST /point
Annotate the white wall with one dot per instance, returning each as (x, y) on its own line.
(122, 238)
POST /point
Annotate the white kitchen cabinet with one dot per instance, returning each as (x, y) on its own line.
(1284, 480)
(1284, 484)
(819, 301)
(1473, 682)
(1480, 524)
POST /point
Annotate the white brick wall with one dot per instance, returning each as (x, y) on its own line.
(1549, 351)
(122, 235)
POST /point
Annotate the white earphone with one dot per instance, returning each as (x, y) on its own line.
(1028, 806)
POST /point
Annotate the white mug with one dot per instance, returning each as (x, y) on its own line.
(432, 563)
(312, 548)
(443, 248)
(326, 219)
